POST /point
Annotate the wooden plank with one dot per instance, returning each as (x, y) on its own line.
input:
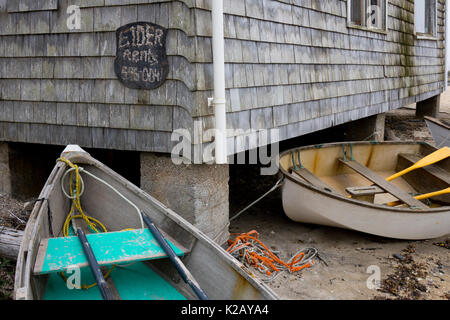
(111, 284)
(383, 184)
(364, 191)
(427, 179)
(10, 242)
(31, 5)
(311, 178)
(58, 254)
(434, 170)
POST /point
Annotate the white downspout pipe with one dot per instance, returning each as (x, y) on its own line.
(447, 44)
(219, 100)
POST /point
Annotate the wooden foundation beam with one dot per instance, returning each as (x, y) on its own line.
(10, 240)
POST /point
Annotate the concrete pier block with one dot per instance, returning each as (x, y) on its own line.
(198, 192)
(428, 107)
(5, 173)
(367, 129)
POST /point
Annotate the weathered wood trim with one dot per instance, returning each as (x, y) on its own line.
(14, 6)
(10, 242)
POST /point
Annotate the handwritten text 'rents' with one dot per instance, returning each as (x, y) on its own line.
(138, 44)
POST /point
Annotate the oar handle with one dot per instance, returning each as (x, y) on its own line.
(430, 159)
(181, 268)
(422, 196)
(105, 290)
(401, 173)
(433, 194)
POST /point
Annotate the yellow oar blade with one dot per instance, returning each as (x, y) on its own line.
(432, 158)
(422, 196)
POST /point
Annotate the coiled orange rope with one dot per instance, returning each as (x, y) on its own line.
(252, 252)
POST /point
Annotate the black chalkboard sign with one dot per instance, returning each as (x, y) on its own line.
(141, 60)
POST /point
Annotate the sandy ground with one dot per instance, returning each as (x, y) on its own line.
(445, 103)
(348, 258)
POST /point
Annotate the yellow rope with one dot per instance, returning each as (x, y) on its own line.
(85, 286)
(93, 223)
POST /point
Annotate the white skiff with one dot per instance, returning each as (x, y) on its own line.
(138, 267)
(343, 185)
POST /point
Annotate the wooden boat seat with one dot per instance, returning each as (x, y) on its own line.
(436, 172)
(312, 179)
(383, 184)
(427, 179)
(364, 193)
(58, 254)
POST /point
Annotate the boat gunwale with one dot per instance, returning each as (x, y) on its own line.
(337, 196)
(22, 279)
(437, 122)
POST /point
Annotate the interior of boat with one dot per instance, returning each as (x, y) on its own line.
(143, 249)
(359, 171)
(134, 265)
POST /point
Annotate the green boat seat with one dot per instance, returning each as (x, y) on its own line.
(58, 254)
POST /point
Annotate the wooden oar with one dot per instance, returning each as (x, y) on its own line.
(181, 268)
(422, 196)
(432, 158)
(105, 290)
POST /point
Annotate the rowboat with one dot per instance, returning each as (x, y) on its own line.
(51, 264)
(344, 185)
(440, 131)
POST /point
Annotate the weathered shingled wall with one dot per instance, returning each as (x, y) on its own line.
(59, 87)
(295, 65)
(291, 64)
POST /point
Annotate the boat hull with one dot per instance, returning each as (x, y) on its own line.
(220, 275)
(325, 210)
(440, 131)
(306, 203)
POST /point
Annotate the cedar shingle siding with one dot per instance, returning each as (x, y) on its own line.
(292, 65)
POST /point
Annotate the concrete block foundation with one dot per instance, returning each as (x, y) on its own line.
(5, 173)
(198, 192)
(428, 107)
(367, 129)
